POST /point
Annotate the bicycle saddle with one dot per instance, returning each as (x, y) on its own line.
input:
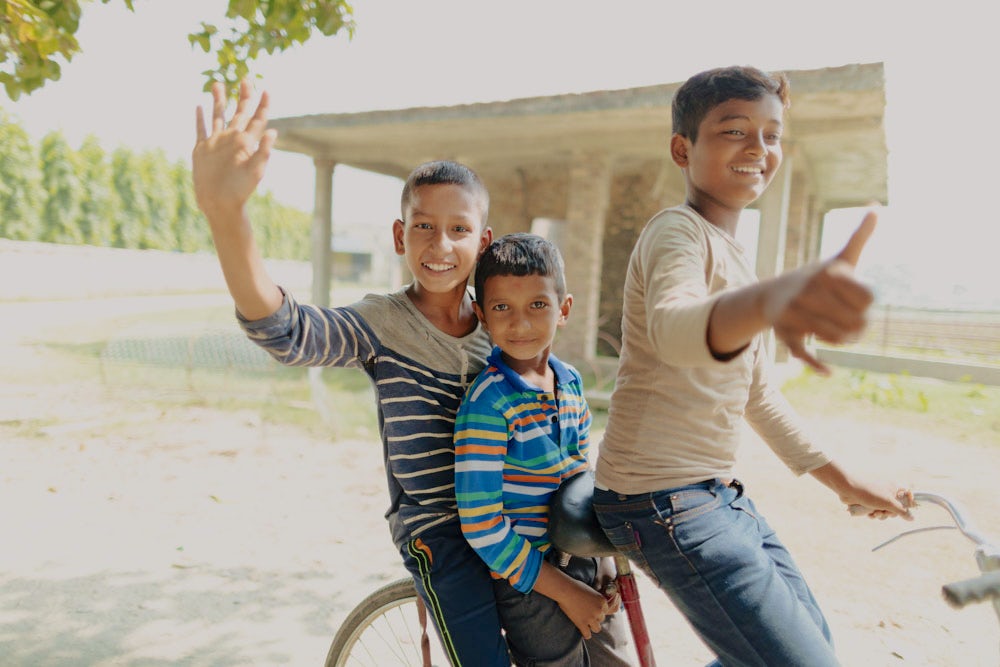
(573, 526)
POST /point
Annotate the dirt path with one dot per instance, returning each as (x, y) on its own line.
(138, 535)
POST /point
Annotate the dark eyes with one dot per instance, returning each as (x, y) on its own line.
(458, 229)
(535, 305)
(771, 138)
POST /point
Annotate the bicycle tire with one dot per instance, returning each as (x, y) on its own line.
(383, 630)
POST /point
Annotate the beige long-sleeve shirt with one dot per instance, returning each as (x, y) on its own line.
(675, 413)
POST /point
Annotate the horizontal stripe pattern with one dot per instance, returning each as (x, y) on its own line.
(510, 457)
(419, 375)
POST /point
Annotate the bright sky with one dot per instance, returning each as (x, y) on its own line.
(137, 83)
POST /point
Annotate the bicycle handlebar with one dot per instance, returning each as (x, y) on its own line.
(962, 522)
(977, 589)
(960, 593)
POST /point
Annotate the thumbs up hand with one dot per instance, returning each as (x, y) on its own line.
(822, 299)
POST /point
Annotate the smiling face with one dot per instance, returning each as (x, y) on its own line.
(736, 154)
(522, 314)
(441, 236)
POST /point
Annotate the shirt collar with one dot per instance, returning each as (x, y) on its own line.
(563, 374)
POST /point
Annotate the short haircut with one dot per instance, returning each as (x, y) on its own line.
(706, 90)
(520, 254)
(445, 172)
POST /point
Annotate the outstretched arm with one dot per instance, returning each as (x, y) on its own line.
(822, 299)
(228, 162)
(882, 499)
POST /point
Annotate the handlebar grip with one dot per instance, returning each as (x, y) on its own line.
(977, 589)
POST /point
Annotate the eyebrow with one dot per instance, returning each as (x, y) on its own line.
(740, 116)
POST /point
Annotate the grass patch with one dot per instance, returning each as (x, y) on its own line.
(964, 411)
(200, 358)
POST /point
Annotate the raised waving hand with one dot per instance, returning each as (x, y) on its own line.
(227, 163)
(229, 159)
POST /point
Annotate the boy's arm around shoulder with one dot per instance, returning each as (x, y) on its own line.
(228, 162)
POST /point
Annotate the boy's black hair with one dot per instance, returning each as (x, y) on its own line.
(706, 90)
(445, 172)
(520, 254)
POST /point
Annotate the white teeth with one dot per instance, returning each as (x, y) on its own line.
(439, 267)
(748, 170)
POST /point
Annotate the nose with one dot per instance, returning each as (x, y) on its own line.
(520, 321)
(756, 145)
(441, 240)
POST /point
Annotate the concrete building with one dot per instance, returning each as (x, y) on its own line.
(590, 169)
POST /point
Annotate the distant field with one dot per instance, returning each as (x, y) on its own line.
(30, 271)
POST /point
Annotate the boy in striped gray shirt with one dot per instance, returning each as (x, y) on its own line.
(421, 346)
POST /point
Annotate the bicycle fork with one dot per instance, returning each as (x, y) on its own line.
(629, 592)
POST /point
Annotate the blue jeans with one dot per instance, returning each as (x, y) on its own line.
(723, 567)
(541, 635)
(457, 588)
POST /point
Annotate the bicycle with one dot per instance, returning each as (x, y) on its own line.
(389, 627)
(985, 586)
(573, 529)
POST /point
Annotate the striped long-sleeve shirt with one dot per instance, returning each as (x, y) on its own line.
(514, 444)
(419, 374)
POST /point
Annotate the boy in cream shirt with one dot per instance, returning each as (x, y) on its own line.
(693, 363)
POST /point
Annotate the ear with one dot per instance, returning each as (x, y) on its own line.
(397, 236)
(480, 315)
(485, 239)
(564, 309)
(680, 147)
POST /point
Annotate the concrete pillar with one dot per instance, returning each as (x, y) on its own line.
(772, 236)
(773, 207)
(796, 233)
(581, 245)
(814, 242)
(322, 232)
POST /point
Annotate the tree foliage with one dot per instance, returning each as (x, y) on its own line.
(21, 194)
(123, 199)
(63, 191)
(255, 26)
(38, 36)
(100, 202)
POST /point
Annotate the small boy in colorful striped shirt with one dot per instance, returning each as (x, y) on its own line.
(522, 429)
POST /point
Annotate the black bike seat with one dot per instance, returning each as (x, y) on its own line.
(573, 526)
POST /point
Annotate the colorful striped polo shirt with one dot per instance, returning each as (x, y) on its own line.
(419, 374)
(514, 445)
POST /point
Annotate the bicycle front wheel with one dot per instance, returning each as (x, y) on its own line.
(384, 630)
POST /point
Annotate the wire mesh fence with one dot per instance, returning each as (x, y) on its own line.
(954, 334)
(203, 363)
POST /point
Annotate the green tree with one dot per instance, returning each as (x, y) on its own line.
(282, 232)
(161, 202)
(63, 191)
(21, 194)
(133, 218)
(38, 36)
(99, 205)
(190, 227)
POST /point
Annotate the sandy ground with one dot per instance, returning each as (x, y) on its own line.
(132, 534)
